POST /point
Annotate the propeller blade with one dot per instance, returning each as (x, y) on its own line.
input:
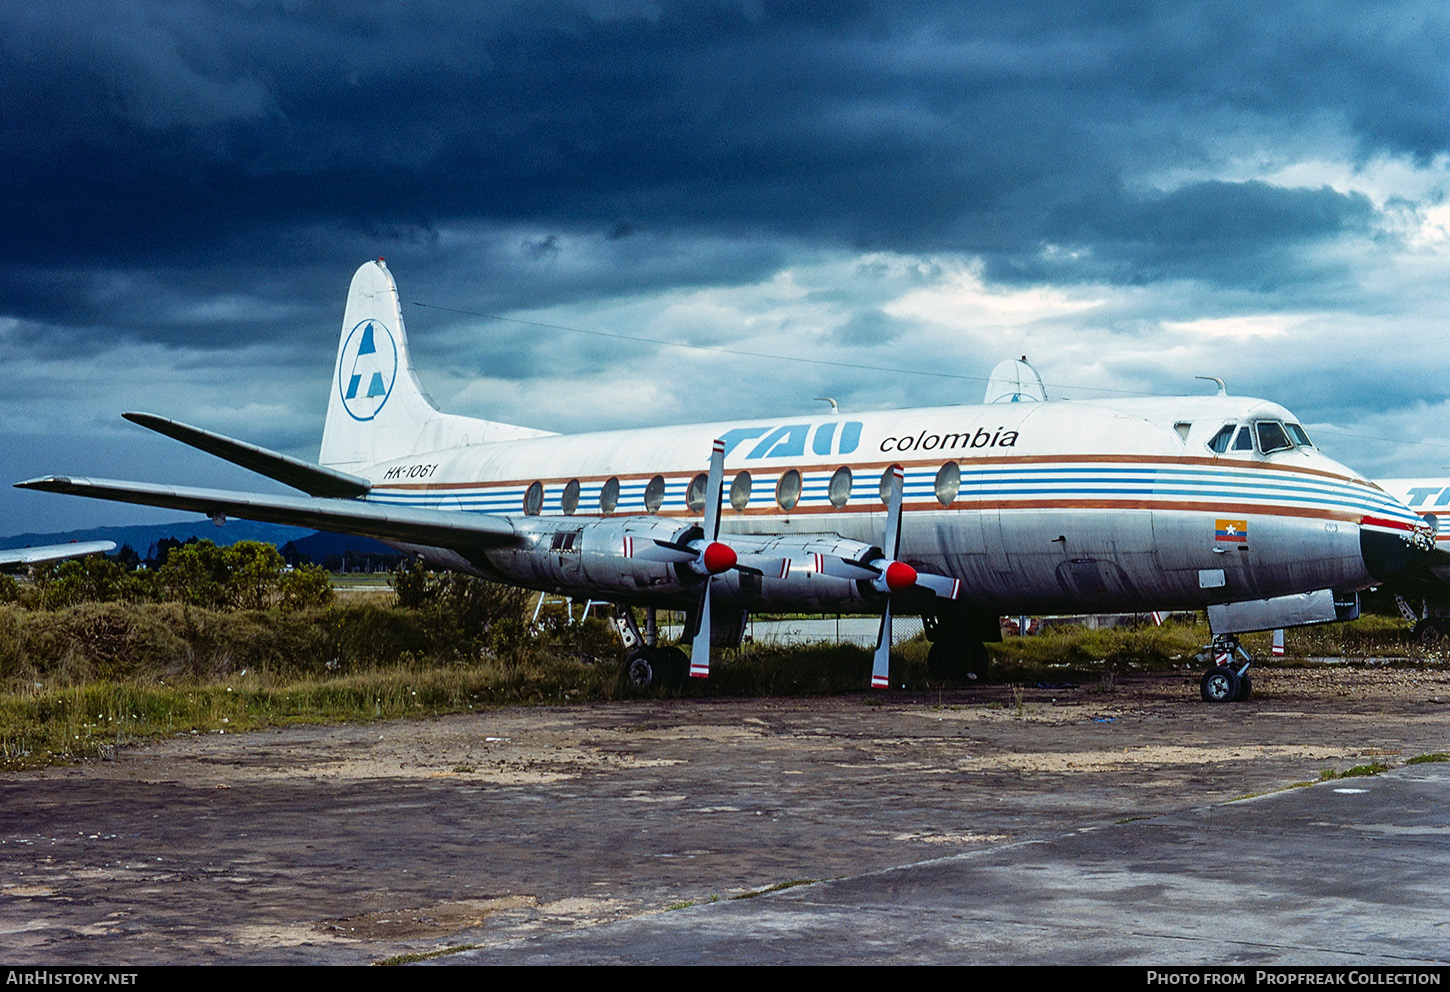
(713, 559)
(891, 575)
(714, 483)
(881, 663)
(655, 550)
(943, 585)
(772, 568)
(840, 568)
(700, 649)
(893, 514)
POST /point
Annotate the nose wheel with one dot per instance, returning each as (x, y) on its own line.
(1228, 680)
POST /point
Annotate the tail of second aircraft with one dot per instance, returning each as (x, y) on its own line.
(377, 410)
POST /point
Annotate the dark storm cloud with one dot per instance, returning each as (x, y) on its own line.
(1244, 234)
(176, 133)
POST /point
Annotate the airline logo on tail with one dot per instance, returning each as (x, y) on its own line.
(367, 369)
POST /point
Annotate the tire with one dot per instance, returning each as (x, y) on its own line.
(958, 661)
(642, 669)
(979, 662)
(676, 667)
(1246, 688)
(1430, 635)
(943, 664)
(1220, 685)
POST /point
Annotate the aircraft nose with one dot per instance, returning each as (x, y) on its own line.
(1395, 549)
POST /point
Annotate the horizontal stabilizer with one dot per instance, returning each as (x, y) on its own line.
(434, 528)
(314, 480)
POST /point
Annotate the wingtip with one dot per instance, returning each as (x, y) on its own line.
(43, 482)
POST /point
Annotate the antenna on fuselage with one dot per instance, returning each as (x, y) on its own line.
(1222, 389)
(835, 408)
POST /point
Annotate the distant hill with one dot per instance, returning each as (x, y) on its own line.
(316, 545)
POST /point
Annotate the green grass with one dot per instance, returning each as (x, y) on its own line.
(1358, 771)
(777, 887)
(76, 682)
(76, 722)
(425, 955)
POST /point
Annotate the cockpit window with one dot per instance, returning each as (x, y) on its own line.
(1245, 440)
(1272, 437)
(1300, 438)
(1219, 443)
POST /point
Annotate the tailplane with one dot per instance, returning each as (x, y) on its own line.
(377, 410)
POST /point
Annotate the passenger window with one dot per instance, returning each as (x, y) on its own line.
(948, 481)
(1245, 440)
(609, 496)
(534, 499)
(886, 484)
(654, 494)
(788, 490)
(839, 490)
(1272, 437)
(740, 491)
(1219, 444)
(569, 502)
(695, 497)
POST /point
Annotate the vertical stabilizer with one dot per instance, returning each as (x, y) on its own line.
(377, 410)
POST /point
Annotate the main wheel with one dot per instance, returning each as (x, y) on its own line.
(1430, 635)
(642, 668)
(1220, 685)
(676, 665)
(1246, 687)
(979, 662)
(958, 661)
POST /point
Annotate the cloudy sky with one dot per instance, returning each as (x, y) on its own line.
(1130, 194)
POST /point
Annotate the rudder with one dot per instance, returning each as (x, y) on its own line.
(377, 410)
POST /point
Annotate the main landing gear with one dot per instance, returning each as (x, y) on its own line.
(1228, 681)
(1430, 633)
(957, 653)
(656, 668)
(646, 664)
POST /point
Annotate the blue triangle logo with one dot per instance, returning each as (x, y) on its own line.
(367, 347)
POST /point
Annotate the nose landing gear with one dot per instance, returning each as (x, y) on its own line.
(1228, 681)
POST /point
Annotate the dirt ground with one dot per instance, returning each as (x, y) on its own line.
(355, 844)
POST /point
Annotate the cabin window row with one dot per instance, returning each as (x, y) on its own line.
(789, 488)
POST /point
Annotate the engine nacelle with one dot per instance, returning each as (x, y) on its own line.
(587, 558)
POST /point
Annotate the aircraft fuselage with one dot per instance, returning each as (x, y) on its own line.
(1064, 506)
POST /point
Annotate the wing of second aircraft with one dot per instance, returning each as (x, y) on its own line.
(55, 552)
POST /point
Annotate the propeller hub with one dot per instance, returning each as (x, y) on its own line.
(900, 575)
(719, 558)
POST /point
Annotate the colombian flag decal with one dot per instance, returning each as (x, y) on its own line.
(1231, 531)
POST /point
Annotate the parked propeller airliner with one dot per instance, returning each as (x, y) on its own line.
(961, 513)
(1424, 597)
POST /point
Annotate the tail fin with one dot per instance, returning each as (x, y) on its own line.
(377, 410)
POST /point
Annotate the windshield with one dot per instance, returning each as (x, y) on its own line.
(1265, 436)
(1273, 437)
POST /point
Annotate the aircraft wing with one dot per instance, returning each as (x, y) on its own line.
(314, 480)
(434, 528)
(55, 552)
